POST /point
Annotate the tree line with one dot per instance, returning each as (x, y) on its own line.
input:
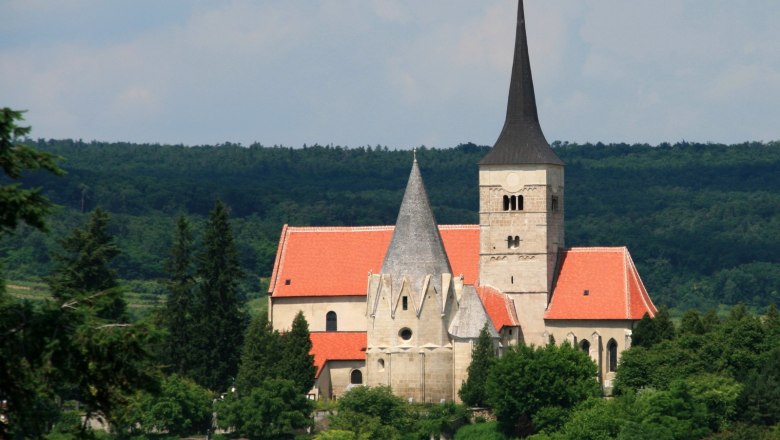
(702, 221)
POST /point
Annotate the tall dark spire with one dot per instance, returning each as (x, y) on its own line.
(521, 140)
(416, 249)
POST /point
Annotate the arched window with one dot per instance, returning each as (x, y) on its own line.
(519, 203)
(331, 322)
(516, 241)
(356, 377)
(612, 353)
(506, 203)
(585, 346)
(513, 203)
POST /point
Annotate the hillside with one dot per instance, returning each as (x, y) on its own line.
(702, 221)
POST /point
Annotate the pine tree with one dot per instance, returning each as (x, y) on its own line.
(483, 357)
(83, 269)
(650, 331)
(296, 358)
(260, 357)
(219, 311)
(178, 307)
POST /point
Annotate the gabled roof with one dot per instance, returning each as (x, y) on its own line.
(499, 307)
(416, 249)
(335, 261)
(337, 346)
(521, 140)
(598, 283)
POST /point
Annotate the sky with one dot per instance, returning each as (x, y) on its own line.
(397, 73)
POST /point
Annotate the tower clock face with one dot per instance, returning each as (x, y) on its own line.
(512, 182)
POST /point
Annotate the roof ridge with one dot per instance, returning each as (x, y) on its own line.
(595, 249)
(626, 287)
(642, 289)
(278, 261)
(339, 228)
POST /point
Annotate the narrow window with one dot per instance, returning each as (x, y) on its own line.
(381, 364)
(516, 241)
(331, 322)
(612, 353)
(405, 302)
(356, 377)
(509, 242)
(512, 279)
(585, 346)
(506, 203)
(513, 203)
(555, 203)
(519, 203)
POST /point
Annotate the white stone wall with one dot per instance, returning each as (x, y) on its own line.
(350, 311)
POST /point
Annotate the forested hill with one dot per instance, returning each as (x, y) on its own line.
(701, 221)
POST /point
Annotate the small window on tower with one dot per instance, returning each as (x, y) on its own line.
(405, 302)
(405, 334)
(516, 241)
(555, 203)
(513, 203)
(506, 203)
(519, 203)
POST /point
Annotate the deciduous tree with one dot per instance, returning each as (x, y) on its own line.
(527, 379)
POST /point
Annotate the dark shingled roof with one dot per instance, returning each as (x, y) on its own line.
(416, 249)
(521, 140)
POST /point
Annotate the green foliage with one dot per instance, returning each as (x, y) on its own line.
(701, 220)
(219, 312)
(483, 356)
(379, 402)
(180, 408)
(376, 413)
(260, 358)
(527, 379)
(83, 269)
(336, 434)
(650, 331)
(759, 402)
(177, 317)
(17, 203)
(296, 359)
(651, 414)
(270, 411)
(480, 431)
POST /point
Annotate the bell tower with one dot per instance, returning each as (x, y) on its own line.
(521, 203)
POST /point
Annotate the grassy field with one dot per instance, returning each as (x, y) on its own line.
(139, 303)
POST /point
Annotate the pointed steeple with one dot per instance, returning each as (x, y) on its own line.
(521, 140)
(416, 249)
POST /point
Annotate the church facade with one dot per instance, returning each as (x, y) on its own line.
(402, 305)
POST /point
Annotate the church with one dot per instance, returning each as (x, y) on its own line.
(402, 305)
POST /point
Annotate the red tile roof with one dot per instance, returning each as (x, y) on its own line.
(608, 275)
(498, 306)
(337, 346)
(335, 261)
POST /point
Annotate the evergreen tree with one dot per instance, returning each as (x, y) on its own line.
(17, 203)
(219, 311)
(83, 269)
(691, 323)
(296, 358)
(482, 358)
(650, 331)
(178, 307)
(260, 357)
